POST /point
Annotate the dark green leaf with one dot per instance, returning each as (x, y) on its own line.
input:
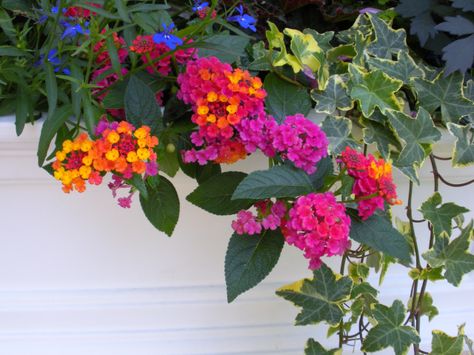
(381, 135)
(333, 97)
(279, 181)
(162, 206)
(137, 182)
(51, 88)
(315, 348)
(456, 25)
(443, 344)
(423, 26)
(464, 148)
(249, 259)
(10, 51)
(215, 194)
(204, 172)
(228, 48)
(387, 40)
(453, 60)
(321, 298)
(324, 169)
(337, 131)
(284, 98)
(404, 69)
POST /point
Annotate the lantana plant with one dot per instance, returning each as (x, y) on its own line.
(132, 91)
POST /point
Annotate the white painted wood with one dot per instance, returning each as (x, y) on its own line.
(80, 275)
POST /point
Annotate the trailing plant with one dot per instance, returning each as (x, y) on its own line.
(138, 91)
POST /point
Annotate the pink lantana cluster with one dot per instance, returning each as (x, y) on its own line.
(269, 216)
(373, 181)
(319, 226)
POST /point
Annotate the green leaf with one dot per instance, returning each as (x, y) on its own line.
(381, 135)
(279, 181)
(168, 162)
(7, 27)
(378, 233)
(315, 348)
(426, 308)
(51, 88)
(404, 69)
(389, 330)
(333, 97)
(141, 107)
(113, 54)
(337, 131)
(323, 39)
(463, 153)
(249, 259)
(215, 194)
(324, 169)
(440, 217)
(50, 126)
(10, 51)
(284, 98)
(387, 40)
(417, 133)
(204, 172)
(24, 107)
(162, 206)
(137, 182)
(376, 89)
(443, 344)
(305, 49)
(445, 93)
(358, 271)
(454, 256)
(321, 298)
(228, 48)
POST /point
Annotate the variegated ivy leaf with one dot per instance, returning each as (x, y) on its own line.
(454, 256)
(408, 170)
(443, 344)
(440, 215)
(445, 93)
(417, 134)
(426, 307)
(361, 24)
(464, 148)
(315, 348)
(333, 97)
(323, 39)
(469, 90)
(376, 89)
(404, 69)
(379, 134)
(337, 131)
(320, 298)
(276, 39)
(304, 48)
(389, 330)
(387, 40)
(263, 58)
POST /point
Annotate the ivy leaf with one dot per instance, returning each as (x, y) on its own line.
(337, 131)
(389, 330)
(442, 216)
(376, 89)
(304, 48)
(454, 256)
(463, 153)
(279, 181)
(377, 232)
(404, 69)
(453, 60)
(321, 298)
(379, 134)
(458, 25)
(315, 348)
(443, 344)
(249, 259)
(214, 194)
(417, 133)
(284, 98)
(426, 307)
(387, 40)
(162, 206)
(323, 39)
(445, 93)
(333, 97)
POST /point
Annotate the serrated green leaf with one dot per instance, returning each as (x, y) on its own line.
(321, 298)
(337, 131)
(249, 259)
(389, 330)
(441, 217)
(387, 40)
(381, 135)
(162, 206)
(443, 344)
(417, 133)
(279, 181)
(228, 48)
(445, 93)
(463, 153)
(284, 98)
(454, 256)
(215, 194)
(456, 25)
(404, 69)
(314, 348)
(333, 97)
(376, 89)
(378, 233)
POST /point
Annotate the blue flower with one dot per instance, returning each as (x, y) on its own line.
(167, 38)
(244, 20)
(52, 58)
(199, 5)
(73, 29)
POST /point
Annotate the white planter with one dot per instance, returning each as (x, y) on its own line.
(80, 275)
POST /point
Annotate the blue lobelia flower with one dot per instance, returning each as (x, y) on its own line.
(52, 57)
(199, 5)
(244, 20)
(167, 38)
(73, 29)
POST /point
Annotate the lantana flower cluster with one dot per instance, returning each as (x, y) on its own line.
(373, 181)
(119, 149)
(269, 216)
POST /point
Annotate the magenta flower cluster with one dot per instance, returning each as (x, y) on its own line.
(269, 216)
